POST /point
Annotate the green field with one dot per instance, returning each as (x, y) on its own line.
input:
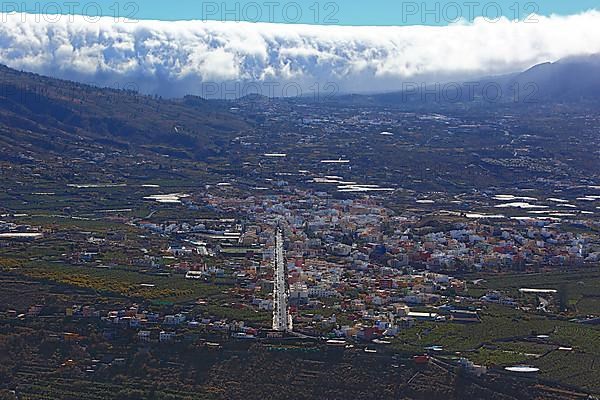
(121, 282)
(579, 286)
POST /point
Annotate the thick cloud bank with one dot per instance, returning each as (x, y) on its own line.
(185, 57)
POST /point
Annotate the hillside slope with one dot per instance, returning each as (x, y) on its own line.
(41, 114)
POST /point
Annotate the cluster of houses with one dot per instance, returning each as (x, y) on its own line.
(356, 257)
(153, 327)
(10, 232)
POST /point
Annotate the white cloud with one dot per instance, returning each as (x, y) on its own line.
(176, 58)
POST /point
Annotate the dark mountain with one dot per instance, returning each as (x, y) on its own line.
(42, 114)
(568, 80)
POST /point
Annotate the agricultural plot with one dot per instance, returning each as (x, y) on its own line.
(122, 282)
(578, 288)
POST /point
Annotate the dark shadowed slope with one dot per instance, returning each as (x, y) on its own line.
(49, 115)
